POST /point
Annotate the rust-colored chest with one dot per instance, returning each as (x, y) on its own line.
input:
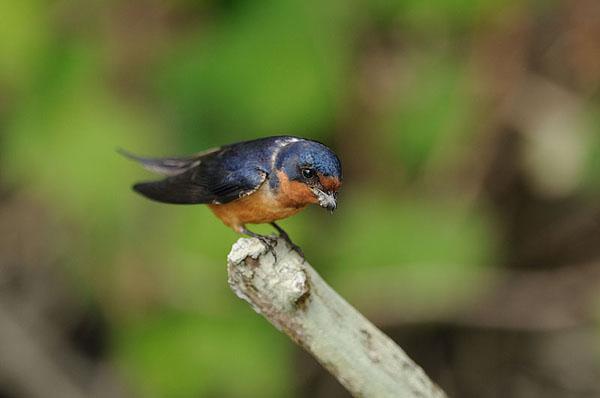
(259, 207)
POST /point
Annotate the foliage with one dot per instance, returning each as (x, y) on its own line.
(79, 79)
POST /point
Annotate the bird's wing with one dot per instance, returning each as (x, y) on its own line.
(170, 166)
(206, 182)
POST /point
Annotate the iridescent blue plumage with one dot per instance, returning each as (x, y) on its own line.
(308, 154)
(223, 174)
(255, 181)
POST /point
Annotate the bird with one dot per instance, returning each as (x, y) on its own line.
(250, 182)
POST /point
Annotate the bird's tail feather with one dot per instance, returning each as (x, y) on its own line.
(173, 190)
(170, 166)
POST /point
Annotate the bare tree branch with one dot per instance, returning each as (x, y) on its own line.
(294, 298)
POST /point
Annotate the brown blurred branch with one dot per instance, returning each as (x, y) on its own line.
(35, 362)
(294, 298)
(27, 366)
(538, 301)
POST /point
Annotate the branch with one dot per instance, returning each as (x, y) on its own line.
(294, 298)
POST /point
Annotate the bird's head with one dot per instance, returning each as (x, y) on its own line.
(309, 172)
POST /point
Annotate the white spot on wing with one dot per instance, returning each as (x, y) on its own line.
(280, 145)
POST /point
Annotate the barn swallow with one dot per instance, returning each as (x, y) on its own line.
(249, 182)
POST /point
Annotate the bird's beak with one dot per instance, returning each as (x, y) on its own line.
(326, 199)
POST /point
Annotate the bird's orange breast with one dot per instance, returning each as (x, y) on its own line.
(262, 206)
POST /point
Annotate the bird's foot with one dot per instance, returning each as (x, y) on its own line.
(297, 249)
(268, 241)
(286, 237)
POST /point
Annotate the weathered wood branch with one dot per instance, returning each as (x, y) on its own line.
(294, 298)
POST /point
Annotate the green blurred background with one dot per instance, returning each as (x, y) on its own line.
(468, 225)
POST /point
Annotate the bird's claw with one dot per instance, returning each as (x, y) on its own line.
(286, 237)
(297, 249)
(269, 242)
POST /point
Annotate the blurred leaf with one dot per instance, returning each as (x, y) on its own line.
(432, 15)
(62, 143)
(393, 232)
(60, 149)
(417, 256)
(417, 291)
(22, 36)
(433, 114)
(275, 67)
(184, 355)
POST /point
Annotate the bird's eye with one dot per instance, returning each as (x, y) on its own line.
(308, 173)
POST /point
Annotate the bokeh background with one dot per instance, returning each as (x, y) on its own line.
(468, 226)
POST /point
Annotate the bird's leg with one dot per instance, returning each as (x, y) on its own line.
(266, 240)
(286, 237)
